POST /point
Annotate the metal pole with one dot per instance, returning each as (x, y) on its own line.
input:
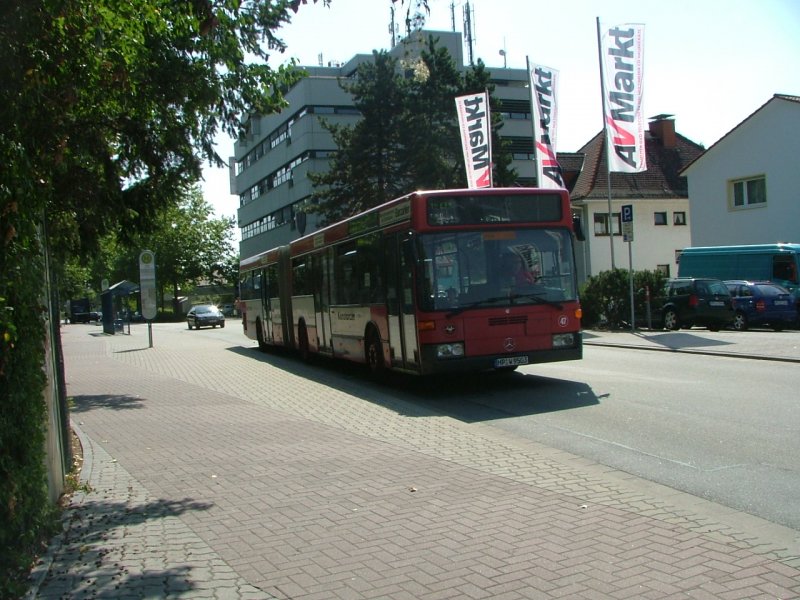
(150, 333)
(605, 142)
(533, 123)
(630, 278)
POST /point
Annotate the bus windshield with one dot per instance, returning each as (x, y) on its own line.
(500, 267)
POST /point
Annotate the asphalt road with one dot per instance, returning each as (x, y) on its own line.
(725, 429)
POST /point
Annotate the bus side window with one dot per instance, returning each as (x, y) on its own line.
(346, 274)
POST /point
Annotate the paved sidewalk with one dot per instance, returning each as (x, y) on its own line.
(755, 344)
(222, 473)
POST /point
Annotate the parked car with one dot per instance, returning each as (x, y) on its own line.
(761, 303)
(205, 315)
(697, 301)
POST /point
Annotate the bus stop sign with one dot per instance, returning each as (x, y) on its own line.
(147, 284)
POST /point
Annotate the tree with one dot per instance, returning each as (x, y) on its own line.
(408, 137)
(432, 142)
(188, 244)
(367, 168)
(108, 110)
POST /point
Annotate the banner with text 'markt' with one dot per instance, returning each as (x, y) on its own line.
(476, 140)
(544, 92)
(621, 62)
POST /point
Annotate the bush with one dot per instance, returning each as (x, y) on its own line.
(26, 514)
(605, 298)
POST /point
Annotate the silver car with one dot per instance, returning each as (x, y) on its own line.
(205, 315)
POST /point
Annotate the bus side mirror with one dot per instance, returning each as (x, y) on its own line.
(578, 229)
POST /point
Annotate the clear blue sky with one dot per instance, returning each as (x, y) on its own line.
(711, 63)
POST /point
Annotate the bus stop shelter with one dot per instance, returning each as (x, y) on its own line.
(111, 301)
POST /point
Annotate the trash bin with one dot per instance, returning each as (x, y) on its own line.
(119, 326)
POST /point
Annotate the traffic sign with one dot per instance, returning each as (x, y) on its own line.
(627, 213)
(627, 223)
(147, 284)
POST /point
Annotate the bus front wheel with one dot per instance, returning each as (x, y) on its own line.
(374, 354)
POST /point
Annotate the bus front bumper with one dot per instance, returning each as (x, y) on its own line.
(463, 364)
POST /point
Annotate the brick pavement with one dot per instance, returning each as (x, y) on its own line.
(217, 472)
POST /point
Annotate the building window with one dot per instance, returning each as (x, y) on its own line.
(601, 223)
(679, 218)
(746, 193)
(663, 269)
(659, 218)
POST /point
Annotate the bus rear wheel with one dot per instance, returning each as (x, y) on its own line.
(374, 354)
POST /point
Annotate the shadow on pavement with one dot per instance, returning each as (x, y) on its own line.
(678, 340)
(86, 403)
(88, 562)
(472, 397)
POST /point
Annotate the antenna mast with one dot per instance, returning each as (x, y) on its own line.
(469, 38)
(393, 28)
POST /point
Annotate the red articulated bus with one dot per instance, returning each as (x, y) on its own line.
(432, 282)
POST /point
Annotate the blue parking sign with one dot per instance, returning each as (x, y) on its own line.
(627, 213)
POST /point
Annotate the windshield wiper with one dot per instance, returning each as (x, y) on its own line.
(538, 300)
(459, 309)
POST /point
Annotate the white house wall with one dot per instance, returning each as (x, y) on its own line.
(767, 143)
(652, 245)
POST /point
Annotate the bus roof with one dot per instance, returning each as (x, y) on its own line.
(396, 211)
(744, 249)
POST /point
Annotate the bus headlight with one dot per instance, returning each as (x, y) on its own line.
(450, 350)
(563, 340)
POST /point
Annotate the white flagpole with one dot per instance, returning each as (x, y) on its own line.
(605, 141)
(489, 129)
(533, 122)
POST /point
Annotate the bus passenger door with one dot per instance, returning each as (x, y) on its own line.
(400, 303)
(323, 274)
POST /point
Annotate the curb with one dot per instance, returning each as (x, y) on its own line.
(691, 351)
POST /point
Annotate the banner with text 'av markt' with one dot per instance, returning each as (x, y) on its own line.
(476, 140)
(544, 106)
(621, 65)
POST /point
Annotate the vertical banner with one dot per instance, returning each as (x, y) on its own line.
(621, 70)
(544, 109)
(476, 138)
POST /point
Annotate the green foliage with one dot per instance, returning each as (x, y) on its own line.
(25, 513)
(408, 136)
(605, 298)
(366, 169)
(107, 111)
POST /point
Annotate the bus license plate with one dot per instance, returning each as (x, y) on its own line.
(511, 361)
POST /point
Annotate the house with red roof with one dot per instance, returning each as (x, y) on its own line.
(743, 189)
(659, 197)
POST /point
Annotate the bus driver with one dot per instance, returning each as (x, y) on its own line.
(515, 270)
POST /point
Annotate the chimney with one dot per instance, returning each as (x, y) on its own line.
(662, 127)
